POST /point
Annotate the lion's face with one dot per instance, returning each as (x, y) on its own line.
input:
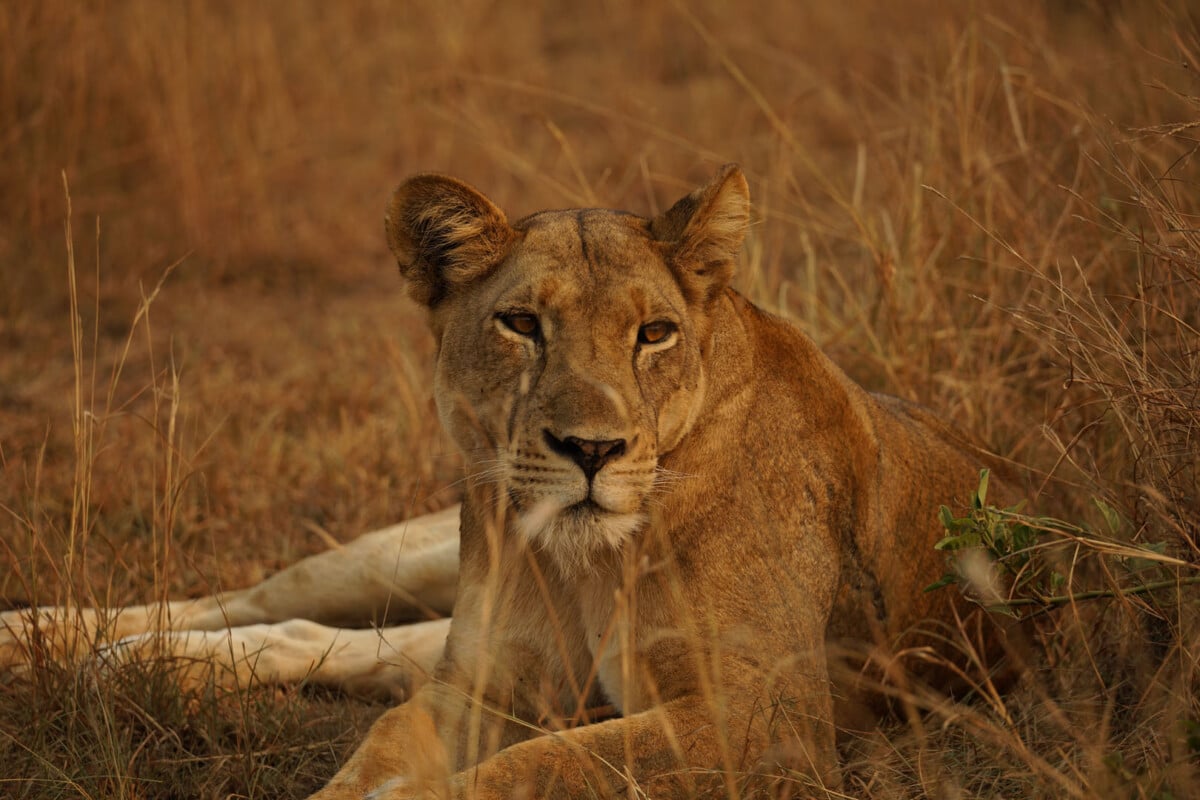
(571, 346)
(567, 372)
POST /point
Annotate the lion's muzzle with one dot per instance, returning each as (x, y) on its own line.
(590, 454)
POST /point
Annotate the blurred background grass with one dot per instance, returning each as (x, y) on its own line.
(989, 208)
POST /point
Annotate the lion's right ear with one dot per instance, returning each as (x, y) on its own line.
(444, 234)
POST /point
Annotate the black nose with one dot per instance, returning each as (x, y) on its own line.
(589, 454)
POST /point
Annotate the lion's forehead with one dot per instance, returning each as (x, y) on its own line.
(588, 241)
(601, 260)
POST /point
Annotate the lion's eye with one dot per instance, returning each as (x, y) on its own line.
(524, 324)
(655, 332)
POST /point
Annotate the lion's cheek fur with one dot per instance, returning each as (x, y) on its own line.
(672, 392)
(474, 406)
(678, 412)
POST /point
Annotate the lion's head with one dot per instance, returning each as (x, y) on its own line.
(572, 345)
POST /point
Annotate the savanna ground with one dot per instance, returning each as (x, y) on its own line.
(990, 208)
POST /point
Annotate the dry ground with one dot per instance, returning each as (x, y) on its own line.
(990, 208)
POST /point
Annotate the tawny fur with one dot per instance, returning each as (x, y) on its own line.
(802, 511)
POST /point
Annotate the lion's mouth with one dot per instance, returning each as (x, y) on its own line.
(574, 534)
(585, 508)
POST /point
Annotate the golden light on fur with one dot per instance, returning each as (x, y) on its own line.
(985, 210)
(689, 649)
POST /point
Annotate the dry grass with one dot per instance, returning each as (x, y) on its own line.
(989, 208)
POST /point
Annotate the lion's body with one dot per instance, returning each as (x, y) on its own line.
(675, 503)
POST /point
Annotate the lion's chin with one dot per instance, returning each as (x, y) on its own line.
(574, 535)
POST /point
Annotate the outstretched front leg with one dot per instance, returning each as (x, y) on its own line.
(405, 572)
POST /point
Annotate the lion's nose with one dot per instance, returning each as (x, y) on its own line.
(590, 454)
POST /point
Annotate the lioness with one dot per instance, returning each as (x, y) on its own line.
(675, 503)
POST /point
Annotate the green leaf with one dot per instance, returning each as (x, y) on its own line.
(1135, 564)
(1192, 727)
(1023, 536)
(1111, 517)
(1007, 611)
(969, 539)
(948, 521)
(942, 582)
(981, 492)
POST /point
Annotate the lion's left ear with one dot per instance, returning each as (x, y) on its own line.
(703, 233)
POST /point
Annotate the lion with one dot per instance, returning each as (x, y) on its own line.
(676, 508)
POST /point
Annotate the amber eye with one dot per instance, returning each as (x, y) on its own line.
(524, 324)
(655, 332)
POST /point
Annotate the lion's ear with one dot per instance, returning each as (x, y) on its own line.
(444, 234)
(704, 232)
